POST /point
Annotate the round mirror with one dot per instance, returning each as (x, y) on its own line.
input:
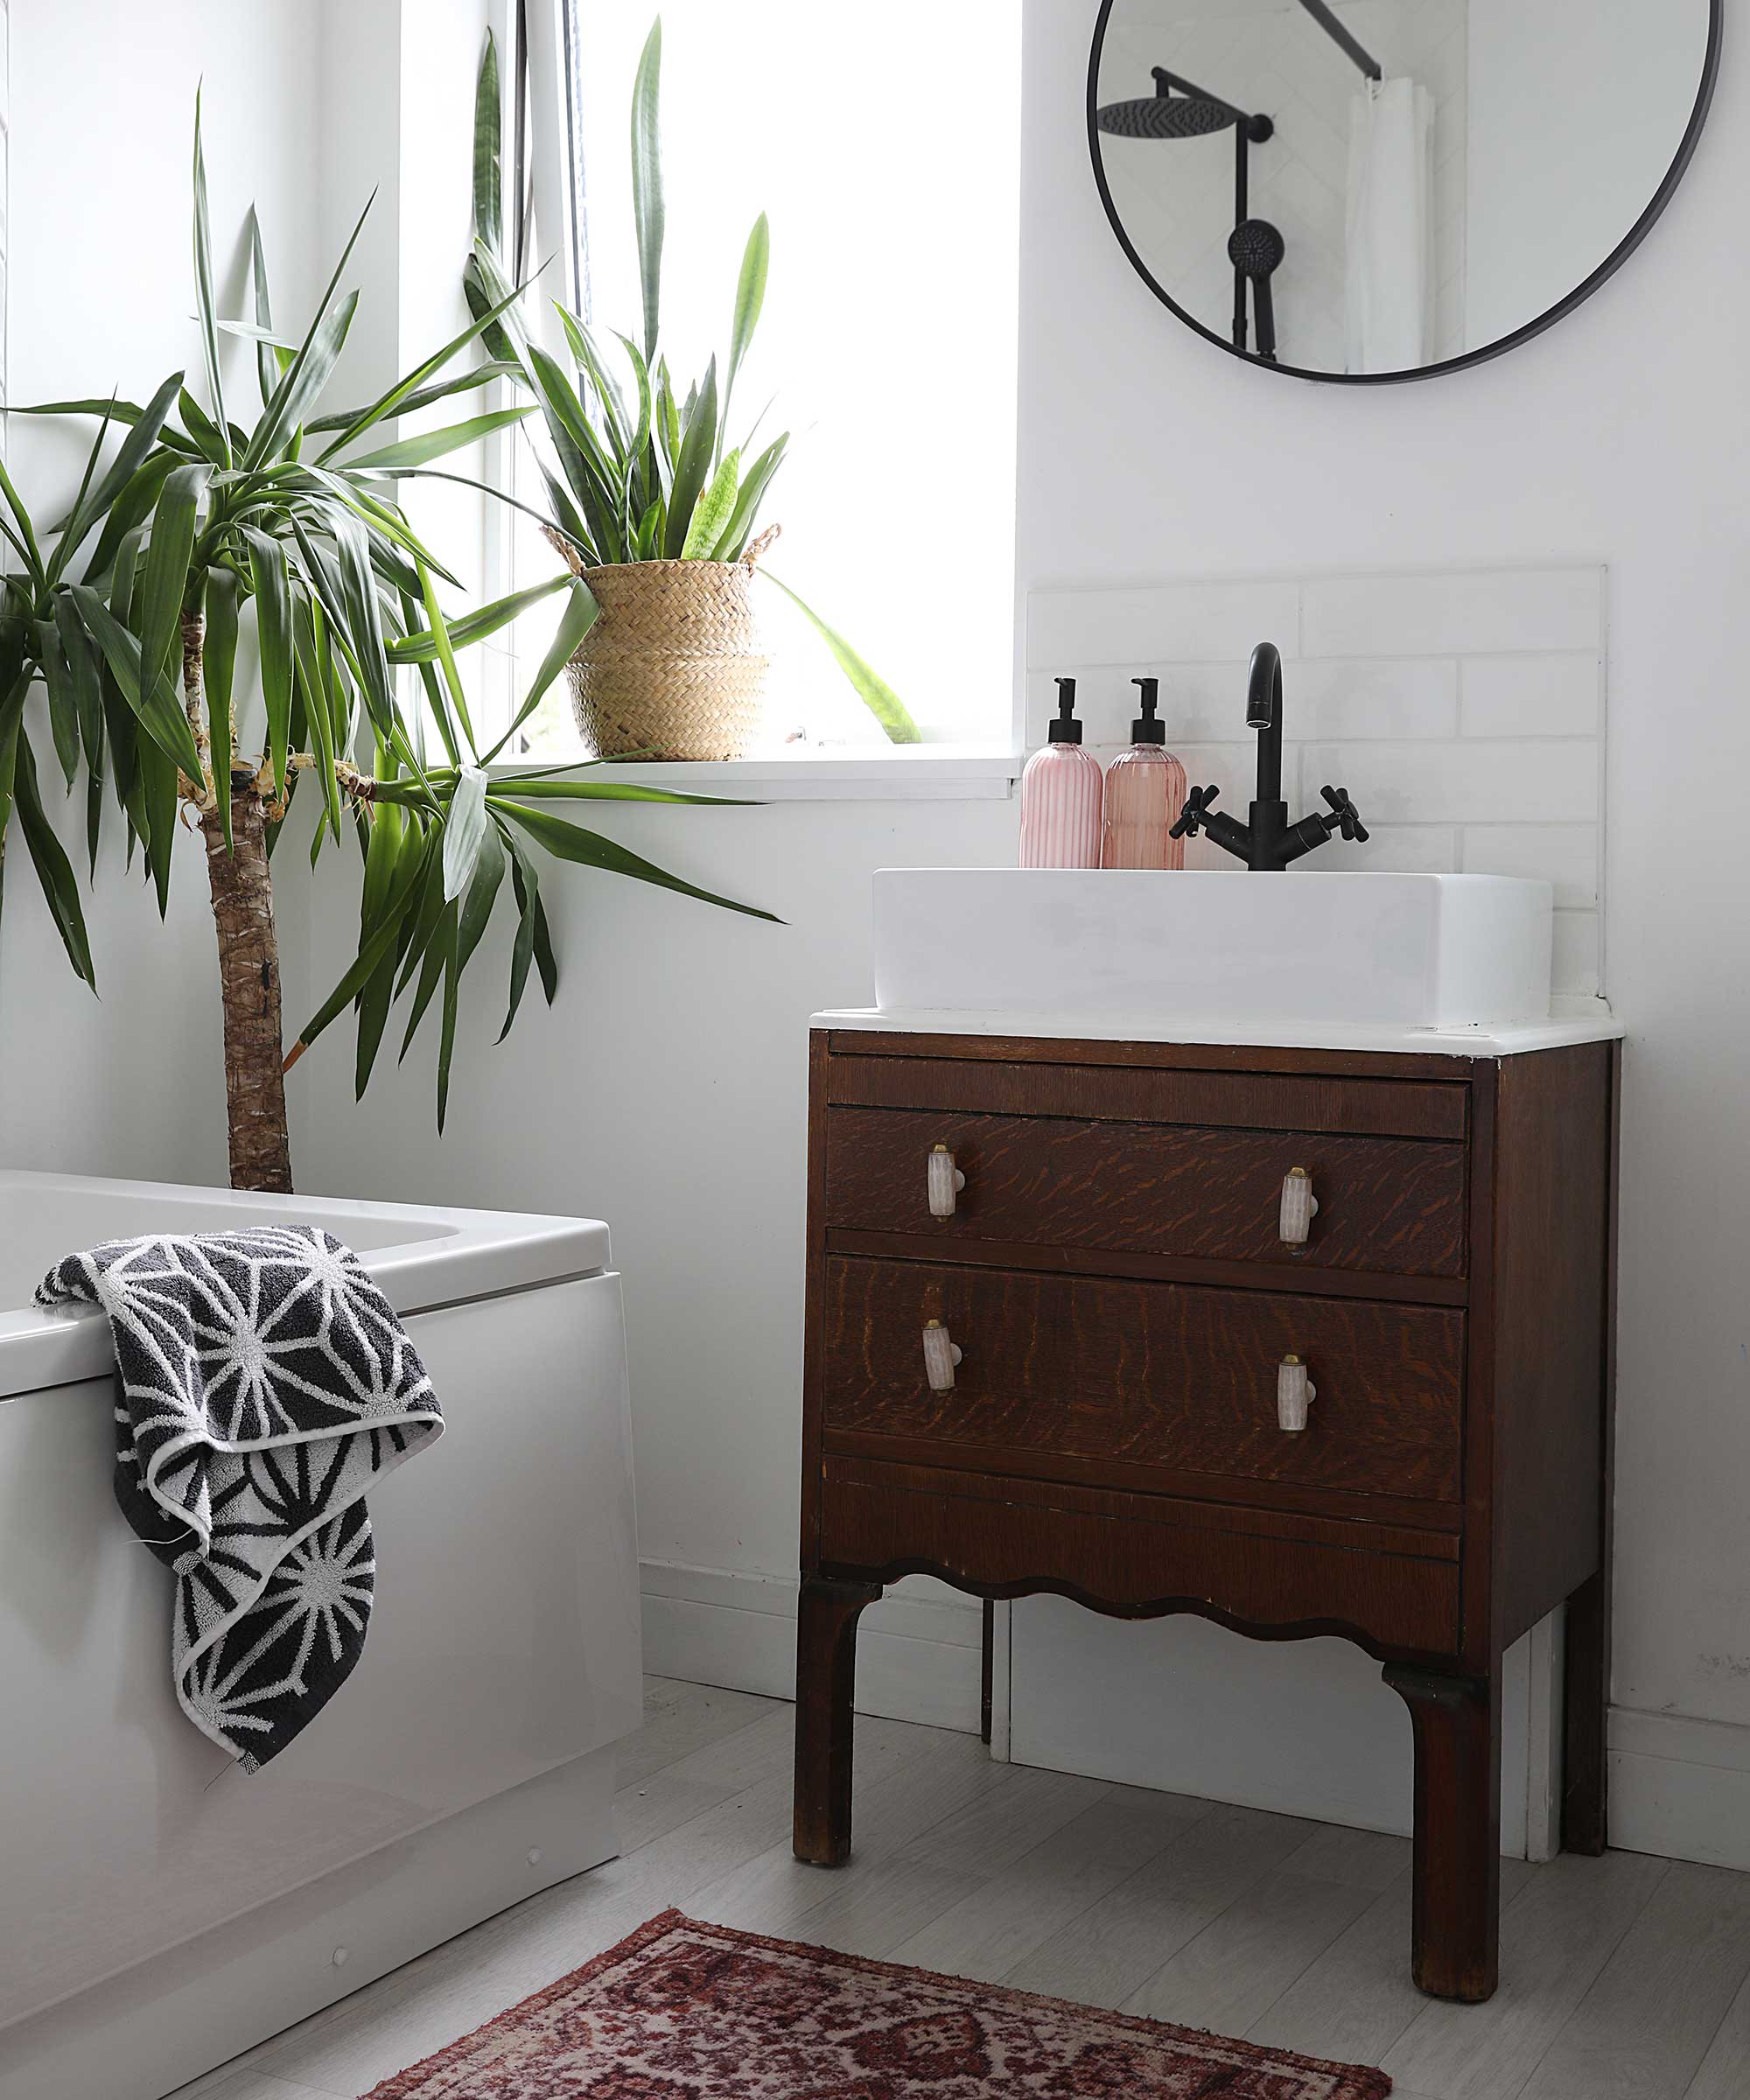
(1376, 190)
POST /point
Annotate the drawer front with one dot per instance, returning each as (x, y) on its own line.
(1394, 1205)
(1002, 1534)
(1245, 1101)
(1156, 1374)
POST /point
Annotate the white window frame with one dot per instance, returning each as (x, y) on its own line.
(985, 770)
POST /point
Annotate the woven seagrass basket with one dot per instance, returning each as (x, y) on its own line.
(672, 669)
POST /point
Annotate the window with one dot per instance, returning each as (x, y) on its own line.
(884, 148)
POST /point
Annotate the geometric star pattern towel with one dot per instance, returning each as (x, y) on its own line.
(263, 1383)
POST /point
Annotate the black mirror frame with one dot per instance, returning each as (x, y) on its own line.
(1607, 269)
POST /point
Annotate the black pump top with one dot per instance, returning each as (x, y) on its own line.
(1066, 729)
(1146, 729)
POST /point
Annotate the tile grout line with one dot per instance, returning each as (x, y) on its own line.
(1416, 2013)
(1280, 1867)
(915, 1757)
(716, 1742)
(1141, 1868)
(1718, 2029)
(1609, 1953)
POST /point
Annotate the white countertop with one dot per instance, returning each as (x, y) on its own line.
(1572, 1021)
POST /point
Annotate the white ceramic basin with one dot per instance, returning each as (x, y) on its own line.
(1331, 950)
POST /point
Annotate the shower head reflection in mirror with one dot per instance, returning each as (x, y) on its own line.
(1447, 178)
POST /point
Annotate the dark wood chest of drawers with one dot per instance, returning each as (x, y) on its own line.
(1062, 1308)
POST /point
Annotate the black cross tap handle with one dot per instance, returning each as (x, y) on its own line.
(1196, 808)
(1347, 816)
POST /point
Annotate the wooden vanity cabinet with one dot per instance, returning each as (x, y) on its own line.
(1096, 1230)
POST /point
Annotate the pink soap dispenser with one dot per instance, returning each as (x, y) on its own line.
(1061, 791)
(1145, 793)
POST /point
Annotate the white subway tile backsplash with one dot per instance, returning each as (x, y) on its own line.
(1532, 695)
(1462, 783)
(1373, 700)
(1206, 703)
(1186, 623)
(1464, 711)
(1392, 850)
(1566, 855)
(1578, 960)
(1233, 768)
(1456, 614)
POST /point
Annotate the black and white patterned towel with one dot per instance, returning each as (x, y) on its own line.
(263, 1383)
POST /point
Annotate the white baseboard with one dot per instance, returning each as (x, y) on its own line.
(1680, 1787)
(918, 1651)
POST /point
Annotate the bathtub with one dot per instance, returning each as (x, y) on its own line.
(160, 1910)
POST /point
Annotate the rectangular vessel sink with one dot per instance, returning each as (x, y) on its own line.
(1409, 951)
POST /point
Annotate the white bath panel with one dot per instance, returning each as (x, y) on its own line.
(502, 1660)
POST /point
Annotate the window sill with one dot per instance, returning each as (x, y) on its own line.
(912, 772)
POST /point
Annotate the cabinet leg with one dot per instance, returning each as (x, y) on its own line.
(1456, 1894)
(1585, 1799)
(826, 1676)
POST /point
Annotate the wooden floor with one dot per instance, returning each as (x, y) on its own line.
(1622, 1979)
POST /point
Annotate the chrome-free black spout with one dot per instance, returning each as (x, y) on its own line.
(1267, 843)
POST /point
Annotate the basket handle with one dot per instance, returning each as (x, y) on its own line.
(757, 547)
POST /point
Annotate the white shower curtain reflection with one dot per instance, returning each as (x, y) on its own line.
(1390, 288)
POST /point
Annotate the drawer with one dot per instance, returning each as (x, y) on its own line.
(1163, 1375)
(1130, 1552)
(1094, 1092)
(1392, 1205)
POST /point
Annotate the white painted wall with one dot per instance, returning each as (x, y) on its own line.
(102, 110)
(1620, 437)
(307, 111)
(1576, 112)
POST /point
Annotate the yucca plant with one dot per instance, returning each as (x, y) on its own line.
(633, 470)
(129, 610)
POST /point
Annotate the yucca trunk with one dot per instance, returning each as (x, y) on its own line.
(248, 958)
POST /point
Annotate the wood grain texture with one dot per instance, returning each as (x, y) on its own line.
(1112, 1277)
(1168, 1057)
(1210, 1100)
(826, 1674)
(1271, 1586)
(1152, 1372)
(1370, 1535)
(1455, 1899)
(1022, 1469)
(1393, 1205)
(1226, 1275)
(1479, 1618)
(1552, 1200)
(1586, 1653)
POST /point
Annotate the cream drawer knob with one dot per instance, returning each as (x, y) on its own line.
(1299, 1206)
(1295, 1393)
(940, 1357)
(946, 1182)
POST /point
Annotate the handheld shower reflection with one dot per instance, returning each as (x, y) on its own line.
(1179, 108)
(1256, 249)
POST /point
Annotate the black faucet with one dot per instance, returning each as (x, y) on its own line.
(1269, 843)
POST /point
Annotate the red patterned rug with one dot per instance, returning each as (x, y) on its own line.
(688, 2011)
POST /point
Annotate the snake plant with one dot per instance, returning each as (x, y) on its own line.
(633, 470)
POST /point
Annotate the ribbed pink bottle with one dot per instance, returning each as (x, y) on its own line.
(1144, 793)
(1061, 793)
